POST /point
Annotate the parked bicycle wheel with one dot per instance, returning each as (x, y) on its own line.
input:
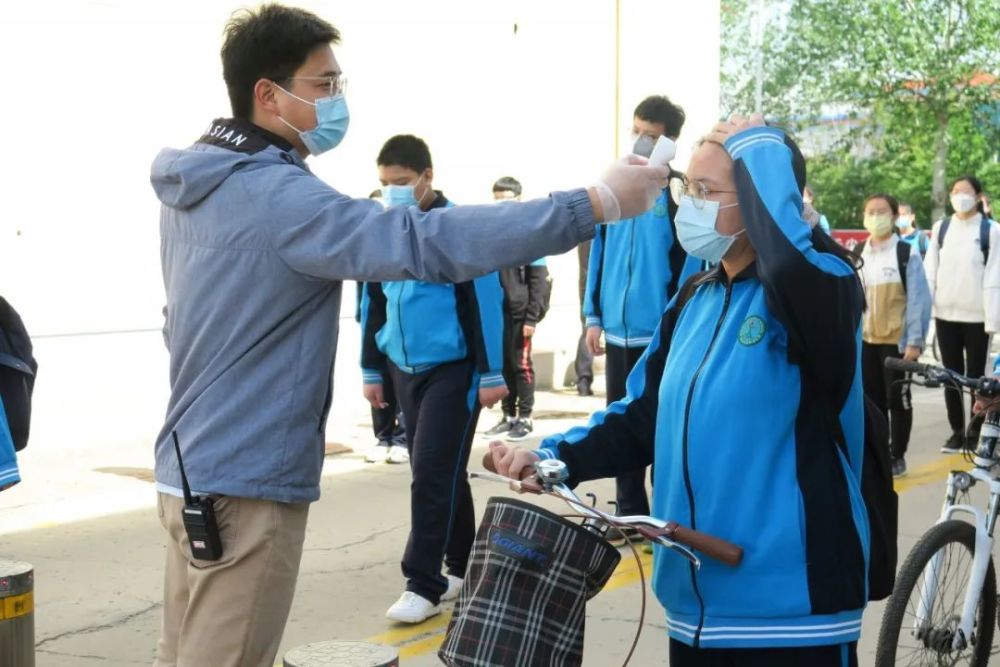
(904, 638)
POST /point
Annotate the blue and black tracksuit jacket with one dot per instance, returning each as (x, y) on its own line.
(419, 325)
(9, 475)
(635, 267)
(735, 399)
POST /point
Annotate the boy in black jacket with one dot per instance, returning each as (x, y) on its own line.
(526, 299)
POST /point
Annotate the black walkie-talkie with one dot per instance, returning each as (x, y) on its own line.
(199, 518)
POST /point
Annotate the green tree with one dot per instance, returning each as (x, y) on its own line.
(920, 74)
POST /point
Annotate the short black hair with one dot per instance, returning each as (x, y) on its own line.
(508, 184)
(907, 205)
(888, 199)
(659, 109)
(405, 150)
(268, 43)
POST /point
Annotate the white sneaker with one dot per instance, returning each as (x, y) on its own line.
(377, 454)
(454, 588)
(398, 454)
(412, 608)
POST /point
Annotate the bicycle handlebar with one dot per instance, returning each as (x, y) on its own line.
(987, 386)
(650, 527)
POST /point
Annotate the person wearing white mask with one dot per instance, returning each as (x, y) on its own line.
(254, 249)
(964, 277)
(749, 399)
(896, 321)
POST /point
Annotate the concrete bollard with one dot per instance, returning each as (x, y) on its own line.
(17, 614)
(342, 654)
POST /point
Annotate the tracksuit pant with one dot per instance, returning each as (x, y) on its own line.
(388, 423)
(630, 487)
(889, 392)
(964, 348)
(835, 655)
(518, 370)
(441, 408)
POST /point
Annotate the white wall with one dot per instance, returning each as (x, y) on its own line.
(95, 88)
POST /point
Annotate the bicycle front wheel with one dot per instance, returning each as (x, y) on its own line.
(924, 611)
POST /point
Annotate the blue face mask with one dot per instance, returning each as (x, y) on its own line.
(696, 230)
(332, 120)
(401, 195)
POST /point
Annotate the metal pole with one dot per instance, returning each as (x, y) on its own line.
(17, 614)
(758, 42)
(618, 78)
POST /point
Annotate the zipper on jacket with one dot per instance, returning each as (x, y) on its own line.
(399, 316)
(628, 279)
(687, 474)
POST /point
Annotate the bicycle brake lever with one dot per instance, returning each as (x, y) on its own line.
(521, 486)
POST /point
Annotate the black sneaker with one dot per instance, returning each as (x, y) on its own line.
(954, 445)
(898, 467)
(583, 387)
(522, 429)
(503, 426)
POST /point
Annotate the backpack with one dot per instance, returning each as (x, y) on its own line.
(902, 257)
(17, 373)
(984, 235)
(877, 491)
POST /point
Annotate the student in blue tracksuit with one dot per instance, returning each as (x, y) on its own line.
(738, 395)
(906, 223)
(9, 475)
(442, 347)
(635, 268)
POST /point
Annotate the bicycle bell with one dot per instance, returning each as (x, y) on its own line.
(551, 472)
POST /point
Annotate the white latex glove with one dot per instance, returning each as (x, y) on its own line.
(630, 187)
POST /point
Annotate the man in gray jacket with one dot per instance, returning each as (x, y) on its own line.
(254, 247)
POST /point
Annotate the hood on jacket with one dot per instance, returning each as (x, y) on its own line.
(182, 178)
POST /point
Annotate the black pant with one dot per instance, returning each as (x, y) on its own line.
(441, 408)
(838, 655)
(964, 347)
(889, 392)
(388, 422)
(630, 487)
(518, 370)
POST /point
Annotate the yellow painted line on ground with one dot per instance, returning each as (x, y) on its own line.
(931, 472)
(426, 637)
(407, 633)
(416, 640)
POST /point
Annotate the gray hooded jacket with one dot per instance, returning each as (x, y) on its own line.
(253, 248)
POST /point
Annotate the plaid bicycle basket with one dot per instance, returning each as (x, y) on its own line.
(529, 577)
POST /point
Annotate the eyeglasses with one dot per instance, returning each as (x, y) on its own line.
(680, 186)
(334, 84)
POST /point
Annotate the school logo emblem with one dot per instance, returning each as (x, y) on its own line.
(752, 331)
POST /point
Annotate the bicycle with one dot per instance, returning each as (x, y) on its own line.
(945, 595)
(548, 477)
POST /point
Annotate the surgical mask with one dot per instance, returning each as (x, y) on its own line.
(903, 222)
(963, 203)
(878, 225)
(332, 120)
(696, 230)
(401, 195)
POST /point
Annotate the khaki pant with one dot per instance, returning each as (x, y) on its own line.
(230, 612)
